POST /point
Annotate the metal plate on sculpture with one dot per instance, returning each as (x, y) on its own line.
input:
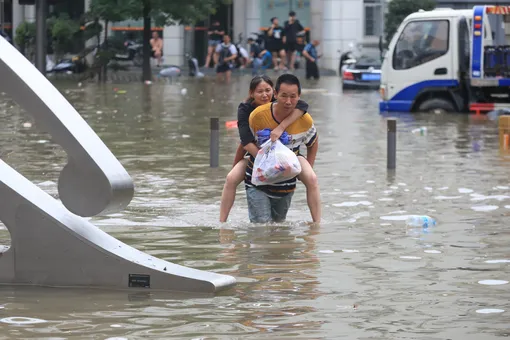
(139, 281)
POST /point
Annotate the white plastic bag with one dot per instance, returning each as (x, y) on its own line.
(274, 163)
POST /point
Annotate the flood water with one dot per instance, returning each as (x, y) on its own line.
(363, 274)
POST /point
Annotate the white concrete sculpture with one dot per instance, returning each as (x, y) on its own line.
(51, 243)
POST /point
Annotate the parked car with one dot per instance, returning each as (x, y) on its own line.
(363, 73)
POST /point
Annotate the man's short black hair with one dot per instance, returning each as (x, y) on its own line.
(288, 79)
(292, 14)
(272, 19)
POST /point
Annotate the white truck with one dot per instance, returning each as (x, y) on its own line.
(445, 60)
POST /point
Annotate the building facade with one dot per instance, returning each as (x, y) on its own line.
(337, 24)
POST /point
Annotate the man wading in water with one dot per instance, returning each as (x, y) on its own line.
(270, 203)
(227, 53)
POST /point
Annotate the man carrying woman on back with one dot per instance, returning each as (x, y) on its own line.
(261, 92)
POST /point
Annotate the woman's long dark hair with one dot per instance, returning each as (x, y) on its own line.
(255, 82)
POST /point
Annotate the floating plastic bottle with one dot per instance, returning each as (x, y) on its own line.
(420, 221)
(422, 130)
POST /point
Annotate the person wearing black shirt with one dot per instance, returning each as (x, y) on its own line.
(276, 43)
(215, 34)
(292, 29)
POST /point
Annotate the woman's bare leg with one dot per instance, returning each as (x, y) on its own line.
(210, 51)
(275, 60)
(313, 195)
(283, 59)
(234, 178)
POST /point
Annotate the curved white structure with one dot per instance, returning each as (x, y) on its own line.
(50, 243)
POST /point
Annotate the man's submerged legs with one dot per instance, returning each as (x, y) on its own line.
(280, 207)
(259, 206)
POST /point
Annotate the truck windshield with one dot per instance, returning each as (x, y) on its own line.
(421, 42)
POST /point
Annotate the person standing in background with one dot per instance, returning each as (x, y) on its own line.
(276, 43)
(215, 36)
(311, 55)
(156, 47)
(292, 29)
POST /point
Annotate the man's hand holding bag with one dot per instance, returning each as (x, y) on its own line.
(274, 163)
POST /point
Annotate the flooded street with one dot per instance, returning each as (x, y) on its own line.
(363, 274)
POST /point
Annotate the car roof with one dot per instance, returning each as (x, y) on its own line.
(440, 13)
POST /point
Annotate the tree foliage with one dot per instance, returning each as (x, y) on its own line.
(109, 10)
(398, 10)
(63, 33)
(157, 12)
(25, 36)
(168, 12)
(174, 12)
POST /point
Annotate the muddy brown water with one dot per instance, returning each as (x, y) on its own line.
(363, 274)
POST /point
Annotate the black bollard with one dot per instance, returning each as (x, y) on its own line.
(215, 143)
(392, 143)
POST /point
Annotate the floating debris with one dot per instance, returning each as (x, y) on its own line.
(19, 320)
(489, 311)
(432, 251)
(493, 282)
(326, 251)
(484, 208)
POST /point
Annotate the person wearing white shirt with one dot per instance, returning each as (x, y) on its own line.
(227, 54)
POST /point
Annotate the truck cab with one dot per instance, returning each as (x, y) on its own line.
(435, 62)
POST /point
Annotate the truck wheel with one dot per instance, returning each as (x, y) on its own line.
(436, 105)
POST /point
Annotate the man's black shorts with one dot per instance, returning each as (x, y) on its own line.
(276, 46)
(222, 68)
(291, 46)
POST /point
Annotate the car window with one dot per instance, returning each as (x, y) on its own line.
(374, 60)
(421, 42)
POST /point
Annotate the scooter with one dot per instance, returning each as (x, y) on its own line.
(74, 64)
(260, 39)
(241, 53)
(133, 53)
(194, 70)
